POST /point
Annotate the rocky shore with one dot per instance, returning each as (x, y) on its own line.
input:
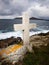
(40, 44)
(10, 41)
(40, 39)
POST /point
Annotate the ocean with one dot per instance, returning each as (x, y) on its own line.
(7, 29)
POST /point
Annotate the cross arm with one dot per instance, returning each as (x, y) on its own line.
(21, 26)
(18, 27)
(32, 25)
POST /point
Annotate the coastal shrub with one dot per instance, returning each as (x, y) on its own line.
(39, 57)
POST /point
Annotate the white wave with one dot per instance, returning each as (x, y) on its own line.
(19, 34)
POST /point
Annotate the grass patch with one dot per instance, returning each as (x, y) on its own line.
(39, 57)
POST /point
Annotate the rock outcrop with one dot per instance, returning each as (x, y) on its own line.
(40, 39)
(9, 41)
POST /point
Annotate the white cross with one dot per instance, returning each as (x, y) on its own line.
(25, 26)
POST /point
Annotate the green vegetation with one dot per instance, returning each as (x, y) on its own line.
(39, 57)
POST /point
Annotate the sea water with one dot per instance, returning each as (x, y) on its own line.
(7, 29)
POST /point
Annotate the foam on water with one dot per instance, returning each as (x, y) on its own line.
(19, 34)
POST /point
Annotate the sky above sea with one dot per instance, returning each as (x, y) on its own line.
(10, 9)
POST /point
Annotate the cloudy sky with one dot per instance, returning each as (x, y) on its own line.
(14, 8)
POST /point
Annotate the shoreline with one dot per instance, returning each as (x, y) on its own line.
(19, 34)
(36, 39)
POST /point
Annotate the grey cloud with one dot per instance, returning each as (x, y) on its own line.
(44, 2)
(16, 7)
(8, 8)
(41, 2)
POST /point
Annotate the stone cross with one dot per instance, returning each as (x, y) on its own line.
(25, 26)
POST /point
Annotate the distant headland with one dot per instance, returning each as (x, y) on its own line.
(33, 18)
